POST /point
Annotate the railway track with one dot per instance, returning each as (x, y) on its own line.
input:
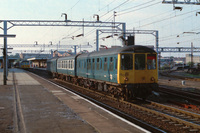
(183, 118)
(190, 96)
(149, 115)
(180, 77)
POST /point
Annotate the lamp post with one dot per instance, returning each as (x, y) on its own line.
(191, 46)
(191, 54)
(5, 66)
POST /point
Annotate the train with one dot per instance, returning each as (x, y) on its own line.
(24, 64)
(125, 72)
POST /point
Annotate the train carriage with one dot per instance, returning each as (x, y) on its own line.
(98, 65)
(125, 72)
(24, 64)
(52, 66)
(66, 67)
(129, 70)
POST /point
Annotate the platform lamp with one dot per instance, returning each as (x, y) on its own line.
(95, 15)
(64, 15)
(176, 7)
(197, 13)
(36, 43)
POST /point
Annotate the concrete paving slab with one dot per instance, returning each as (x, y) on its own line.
(98, 118)
(9, 78)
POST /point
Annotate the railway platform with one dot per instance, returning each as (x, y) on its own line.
(29, 103)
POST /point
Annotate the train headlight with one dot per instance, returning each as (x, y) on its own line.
(152, 79)
(126, 78)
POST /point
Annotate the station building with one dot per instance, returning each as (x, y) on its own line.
(11, 60)
(35, 60)
(196, 58)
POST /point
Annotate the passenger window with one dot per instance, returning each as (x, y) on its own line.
(139, 61)
(84, 64)
(88, 64)
(105, 64)
(111, 64)
(93, 64)
(126, 62)
(97, 63)
(100, 64)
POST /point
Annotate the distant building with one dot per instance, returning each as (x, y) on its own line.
(25, 56)
(196, 58)
(62, 53)
(11, 60)
(166, 62)
(179, 60)
(104, 47)
(35, 60)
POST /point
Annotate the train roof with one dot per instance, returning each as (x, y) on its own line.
(114, 51)
(67, 57)
(127, 49)
(52, 59)
(62, 58)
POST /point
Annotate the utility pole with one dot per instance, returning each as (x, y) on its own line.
(5, 62)
(191, 54)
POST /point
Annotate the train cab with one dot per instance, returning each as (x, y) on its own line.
(137, 70)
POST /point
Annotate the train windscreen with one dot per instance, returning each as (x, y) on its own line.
(126, 61)
(139, 61)
(151, 61)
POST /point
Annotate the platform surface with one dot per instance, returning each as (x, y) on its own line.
(47, 108)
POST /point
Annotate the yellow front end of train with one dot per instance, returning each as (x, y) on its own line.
(138, 73)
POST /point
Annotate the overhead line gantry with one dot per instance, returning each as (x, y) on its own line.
(66, 22)
(191, 2)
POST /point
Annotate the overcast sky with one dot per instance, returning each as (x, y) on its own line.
(137, 14)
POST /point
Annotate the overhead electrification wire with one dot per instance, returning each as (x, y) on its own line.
(137, 5)
(107, 5)
(74, 5)
(89, 33)
(168, 18)
(114, 8)
(119, 14)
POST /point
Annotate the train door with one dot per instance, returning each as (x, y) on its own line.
(93, 68)
(105, 68)
(98, 70)
(112, 70)
(88, 73)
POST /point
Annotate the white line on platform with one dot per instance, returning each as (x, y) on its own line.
(56, 91)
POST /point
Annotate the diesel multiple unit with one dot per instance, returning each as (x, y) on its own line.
(123, 72)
